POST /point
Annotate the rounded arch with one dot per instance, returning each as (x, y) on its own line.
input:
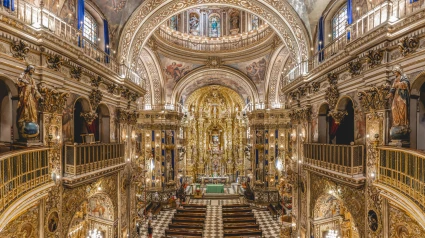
(417, 112)
(103, 123)
(343, 130)
(81, 105)
(8, 91)
(323, 123)
(274, 73)
(155, 77)
(278, 14)
(91, 210)
(330, 210)
(204, 76)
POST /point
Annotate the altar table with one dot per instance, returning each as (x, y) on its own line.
(215, 188)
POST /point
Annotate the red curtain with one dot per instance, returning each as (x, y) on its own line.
(93, 127)
(333, 128)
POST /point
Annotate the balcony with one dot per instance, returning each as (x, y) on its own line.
(57, 30)
(220, 44)
(402, 171)
(341, 162)
(92, 160)
(20, 172)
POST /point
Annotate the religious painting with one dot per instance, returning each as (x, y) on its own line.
(67, 119)
(372, 218)
(101, 207)
(53, 222)
(256, 71)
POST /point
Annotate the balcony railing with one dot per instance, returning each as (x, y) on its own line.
(20, 172)
(86, 158)
(345, 159)
(404, 171)
(214, 44)
(166, 107)
(43, 19)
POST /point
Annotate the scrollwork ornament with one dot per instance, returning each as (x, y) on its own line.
(374, 57)
(338, 115)
(54, 61)
(96, 81)
(76, 72)
(214, 62)
(408, 45)
(315, 86)
(95, 98)
(355, 67)
(112, 87)
(374, 98)
(20, 49)
(89, 117)
(54, 101)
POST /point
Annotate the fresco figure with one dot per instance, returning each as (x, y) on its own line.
(29, 95)
(177, 71)
(256, 71)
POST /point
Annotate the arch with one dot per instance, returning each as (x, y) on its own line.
(328, 210)
(279, 59)
(98, 208)
(81, 104)
(323, 123)
(198, 77)
(151, 13)
(8, 107)
(103, 124)
(417, 112)
(344, 133)
(153, 69)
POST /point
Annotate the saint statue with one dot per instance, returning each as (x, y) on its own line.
(194, 23)
(400, 92)
(27, 116)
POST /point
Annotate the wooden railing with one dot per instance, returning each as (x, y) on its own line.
(214, 44)
(85, 158)
(20, 172)
(345, 159)
(404, 171)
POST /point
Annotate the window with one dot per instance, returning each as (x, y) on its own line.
(339, 22)
(90, 28)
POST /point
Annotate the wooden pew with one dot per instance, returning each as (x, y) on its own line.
(199, 210)
(192, 215)
(156, 210)
(243, 233)
(238, 214)
(179, 233)
(237, 210)
(272, 211)
(237, 226)
(239, 220)
(188, 220)
(194, 206)
(186, 226)
(234, 205)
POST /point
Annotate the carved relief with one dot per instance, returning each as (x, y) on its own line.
(20, 49)
(54, 61)
(300, 115)
(374, 98)
(54, 101)
(338, 115)
(355, 67)
(374, 57)
(89, 117)
(26, 225)
(332, 93)
(95, 97)
(76, 72)
(96, 81)
(112, 87)
(402, 225)
(214, 62)
(315, 86)
(408, 45)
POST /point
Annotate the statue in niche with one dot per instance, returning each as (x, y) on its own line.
(235, 20)
(29, 95)
(173, 23)
(194, 24)
(254, 23)
(400, 92)
(214, 26)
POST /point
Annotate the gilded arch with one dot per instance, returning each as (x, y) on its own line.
(279, 14)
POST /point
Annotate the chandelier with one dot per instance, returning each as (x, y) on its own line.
(94, 234)
(332, 234)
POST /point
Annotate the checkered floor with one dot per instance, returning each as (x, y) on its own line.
(269, 226)
(213, 223)
(230, 201)
(159, 224)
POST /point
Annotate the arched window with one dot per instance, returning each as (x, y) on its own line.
(214, 26)
(339, 22)
(90, 28)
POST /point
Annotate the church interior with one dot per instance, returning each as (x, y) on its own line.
(224, 118)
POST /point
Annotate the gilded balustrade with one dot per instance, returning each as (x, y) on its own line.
(85, 158)
(404, 171)
(22, 171)
(345, 159)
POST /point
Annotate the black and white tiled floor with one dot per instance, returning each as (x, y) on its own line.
(214, 222)
(269, 226)
(159, 224)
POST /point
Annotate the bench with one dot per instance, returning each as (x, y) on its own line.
(156, 210)
(239, 214)
(199, 210)
(237, 210)
(188, 220)
(148, 207)
(242, 226)
(272, 211)
(186, 226)
(179, 233)
(193, 215)
(245, 233)
(234, 205)
(239, 220)
(279, 209)
(194, 206)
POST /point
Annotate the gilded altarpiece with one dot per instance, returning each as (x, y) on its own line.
(26, 225)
